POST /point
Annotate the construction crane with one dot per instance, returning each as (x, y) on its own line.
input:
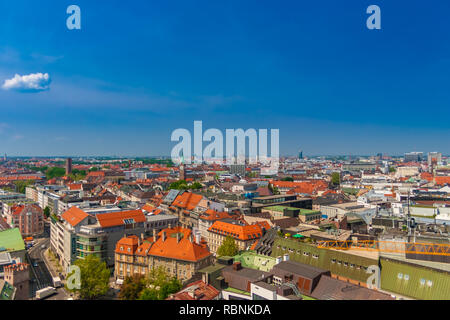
(441, 249)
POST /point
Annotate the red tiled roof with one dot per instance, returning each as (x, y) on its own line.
(247, 232)
(130, 242)
(442, 180)
(187, 200)
(212, 215)
(182, 250)
(117, 218)
(74, 216)
(196, 291)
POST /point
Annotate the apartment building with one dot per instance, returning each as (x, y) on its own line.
(173, 249)
(29, 218)
(245, 235)
(78, 234)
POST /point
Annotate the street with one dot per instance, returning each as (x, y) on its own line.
(41, 277)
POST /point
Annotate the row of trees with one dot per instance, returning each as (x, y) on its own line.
(158, 285)
(94, 282)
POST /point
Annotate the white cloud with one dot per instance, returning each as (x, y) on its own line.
(34, 82)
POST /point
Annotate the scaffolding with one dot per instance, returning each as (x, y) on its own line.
(441, 249)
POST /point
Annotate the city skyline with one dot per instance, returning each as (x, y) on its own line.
(136, 72)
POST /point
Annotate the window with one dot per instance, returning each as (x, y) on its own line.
(406, 277)
(400, 275)
(333, 260)
(429, 283)
(345, 264)
(422, 282)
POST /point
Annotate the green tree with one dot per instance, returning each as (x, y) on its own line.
(94, 277)
(228, 247)
(287, 179)
(196, 186)
(55, 172)
(160, 285)
(132, 287)
(47, 212)
(21, 185)
(335, 178)
(179, 185)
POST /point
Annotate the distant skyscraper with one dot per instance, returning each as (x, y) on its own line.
(68, 166)
(413, 156)
(238, 169)
(300, 154)
(434, 158)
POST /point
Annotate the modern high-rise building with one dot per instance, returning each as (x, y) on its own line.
(238, 169)
(68, 166)
(413, 156)
(434, 158)
(300, 154)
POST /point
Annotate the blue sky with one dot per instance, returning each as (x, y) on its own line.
(138, 70)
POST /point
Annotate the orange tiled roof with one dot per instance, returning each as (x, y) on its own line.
(117, 218)
(182, 250)
(96, 174)
(200, 290)
(187, 200)
(212, 215)
(74, 216)
(130, 242)
(442, 180)
(75, 186)
(247, 232)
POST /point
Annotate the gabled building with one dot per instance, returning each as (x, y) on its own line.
(173, 249)
(29, 218)
(245, 235)
(78, 234)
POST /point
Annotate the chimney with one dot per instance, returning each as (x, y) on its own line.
(278, 260)
(164, 236)
(154, 235)
(178, 237)
(237, 266)
(197, 238)
(170, 226)
(286, 257)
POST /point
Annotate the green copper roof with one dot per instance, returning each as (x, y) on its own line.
(11, 240)
(414, 281)
(338, 262)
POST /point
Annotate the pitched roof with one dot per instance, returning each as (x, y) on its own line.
(130, 242)
(196, 291)
(241, 232)
(213, 215)
(120, 218)
(187, 200)
(74, 216)
(183, 249)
